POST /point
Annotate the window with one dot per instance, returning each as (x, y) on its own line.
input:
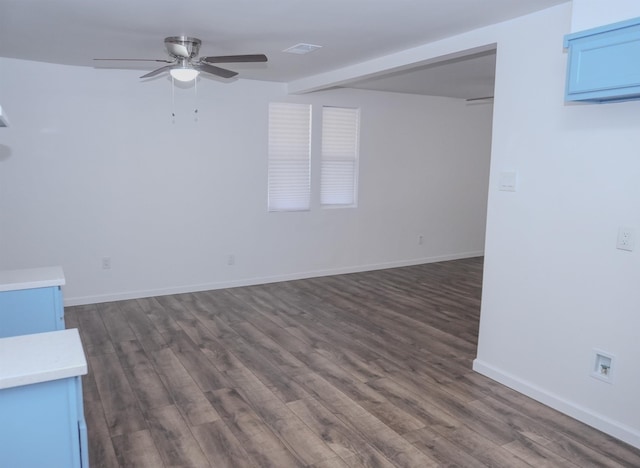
(289, 166)
(339, 165)
(289, 186)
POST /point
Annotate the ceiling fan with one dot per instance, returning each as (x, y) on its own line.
(183, 51)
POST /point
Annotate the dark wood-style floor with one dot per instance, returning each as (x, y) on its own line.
(369, 369)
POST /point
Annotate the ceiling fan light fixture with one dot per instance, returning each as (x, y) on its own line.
(184, 73)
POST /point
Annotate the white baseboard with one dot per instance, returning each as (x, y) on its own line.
(120, 296)
(615, 429)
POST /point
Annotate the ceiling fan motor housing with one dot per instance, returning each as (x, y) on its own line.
(182, 46)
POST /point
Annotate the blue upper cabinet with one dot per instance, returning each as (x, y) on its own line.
(604, 63)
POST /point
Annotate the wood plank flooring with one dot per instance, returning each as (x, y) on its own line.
(363, 370)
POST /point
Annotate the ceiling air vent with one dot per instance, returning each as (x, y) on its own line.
(302, 48)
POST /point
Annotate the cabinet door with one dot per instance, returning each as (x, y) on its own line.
(40, 425)
(27, 311)
(604, 64)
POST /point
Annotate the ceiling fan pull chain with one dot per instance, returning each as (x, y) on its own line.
(195, 93)
(173, 101)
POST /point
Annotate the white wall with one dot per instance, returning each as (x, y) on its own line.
(589, 14)
(92, 166)
(555, 287)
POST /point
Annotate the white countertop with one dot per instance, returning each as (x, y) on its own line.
(13, 280)
(41, 357)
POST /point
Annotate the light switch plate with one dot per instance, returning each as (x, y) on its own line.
(508, 181)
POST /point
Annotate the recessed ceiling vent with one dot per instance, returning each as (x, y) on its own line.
(302, 48)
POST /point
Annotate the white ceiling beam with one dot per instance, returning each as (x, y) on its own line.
(473, 42)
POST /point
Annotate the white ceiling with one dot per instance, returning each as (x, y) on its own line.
(74, 32)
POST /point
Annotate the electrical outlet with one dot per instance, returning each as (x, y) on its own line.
(106, 263)
(626, 240)
(231, 259)
(420, 239)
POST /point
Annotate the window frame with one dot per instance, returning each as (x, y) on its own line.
(287, 134)
(344, 146)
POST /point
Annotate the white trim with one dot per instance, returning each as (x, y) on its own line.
(82, 300)
(613, 428)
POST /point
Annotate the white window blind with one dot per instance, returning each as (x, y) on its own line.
(289, 156)
(339, 166)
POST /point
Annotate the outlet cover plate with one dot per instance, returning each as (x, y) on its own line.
(603, 365)
(626, 239)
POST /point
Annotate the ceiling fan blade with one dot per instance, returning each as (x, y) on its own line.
(235, 58)
(222, 72)
(135, 60)
(157, 71)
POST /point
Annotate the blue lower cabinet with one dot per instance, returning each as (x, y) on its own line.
(42, 425)
(31, 301)
(41, 408)
(27, 311)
